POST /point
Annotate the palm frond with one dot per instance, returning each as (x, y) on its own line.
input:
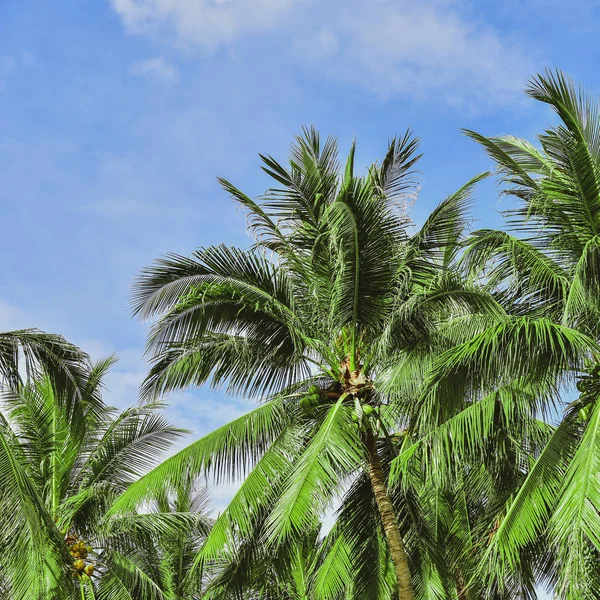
(227, 453)
(332, 453)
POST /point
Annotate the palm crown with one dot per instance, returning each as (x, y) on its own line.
(333, 292)
(544, 272)
(65, 459)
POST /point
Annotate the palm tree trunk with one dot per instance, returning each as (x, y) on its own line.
(390, 522)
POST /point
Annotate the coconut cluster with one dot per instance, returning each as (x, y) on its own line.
(312, 398)
(79, 550)
(366, 410)
(315, 395)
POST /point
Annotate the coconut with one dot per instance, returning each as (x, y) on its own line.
(305, 403)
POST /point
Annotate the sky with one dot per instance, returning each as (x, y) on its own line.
(116, 117)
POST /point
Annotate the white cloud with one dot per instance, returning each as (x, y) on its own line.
(158, 69)
(432, 49)
(423, 49)
(322, 45)
(206, 23)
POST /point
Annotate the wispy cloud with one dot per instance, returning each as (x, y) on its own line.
(319, 46)
(426, 49)
(423, 50)
(159, 69)
(205, 23)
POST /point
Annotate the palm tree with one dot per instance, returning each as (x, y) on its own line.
(545, 272)
(24, 355)
(160, 545)
(307, 320)
(445, 531)
(254, 572)
(65, 460)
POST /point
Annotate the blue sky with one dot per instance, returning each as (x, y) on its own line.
(116, 116)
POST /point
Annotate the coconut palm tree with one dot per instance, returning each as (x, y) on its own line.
(334, 290)
(25, 355)
(446, 532)
(65, 458)
(152, 552)
(544, 270)
(252, 571)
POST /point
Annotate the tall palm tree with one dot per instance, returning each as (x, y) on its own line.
(65, 460)
(334, 290)
(545, 272)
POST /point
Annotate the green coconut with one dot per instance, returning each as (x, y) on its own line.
(305, 403)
